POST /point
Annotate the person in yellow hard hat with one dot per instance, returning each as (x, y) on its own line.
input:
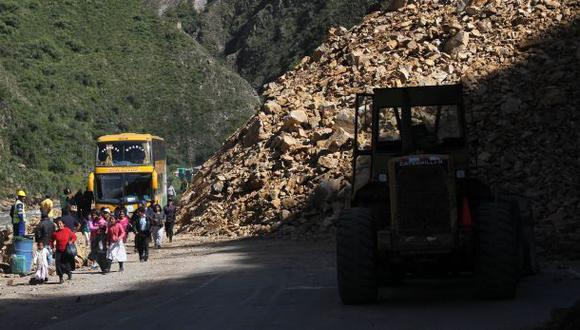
(46, 207)
(18, 214)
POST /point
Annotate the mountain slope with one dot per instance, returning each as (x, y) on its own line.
(73, 70)
(264, 38)
(289, 169)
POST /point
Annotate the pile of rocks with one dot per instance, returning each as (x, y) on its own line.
(288, 169)
(5, 243)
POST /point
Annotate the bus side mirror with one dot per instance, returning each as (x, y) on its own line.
(154, 181)
(91, 182)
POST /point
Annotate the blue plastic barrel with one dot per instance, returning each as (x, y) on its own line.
(18, 264)
(23, 247)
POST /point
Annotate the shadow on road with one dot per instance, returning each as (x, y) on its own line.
(265, 284)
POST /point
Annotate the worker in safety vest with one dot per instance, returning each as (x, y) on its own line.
(18, 214)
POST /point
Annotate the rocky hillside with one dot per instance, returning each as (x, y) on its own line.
(263, 38)
(288, 169)
(73, 70)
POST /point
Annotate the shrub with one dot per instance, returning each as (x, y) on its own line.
(8, 6)
(39, 49)
(75, 45)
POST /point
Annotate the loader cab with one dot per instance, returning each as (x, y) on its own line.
(396, 122)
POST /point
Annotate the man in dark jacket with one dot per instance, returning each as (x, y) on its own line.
(71, 221)
(142, 234)
(86, 204)
(135, 219)
(43, 233)
(65, 200)
(44, 230)
(169, 211)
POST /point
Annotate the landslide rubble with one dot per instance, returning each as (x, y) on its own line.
(288, 169)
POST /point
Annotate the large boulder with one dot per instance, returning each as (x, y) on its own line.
(295, 119)
(345, 119)
(284, 142)
(252, 133)
(338, 140)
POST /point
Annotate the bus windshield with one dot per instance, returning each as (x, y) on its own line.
(123, 153)
(126, 188)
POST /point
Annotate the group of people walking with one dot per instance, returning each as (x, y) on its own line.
(105, 231)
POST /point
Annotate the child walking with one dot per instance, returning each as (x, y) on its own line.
(41, 261)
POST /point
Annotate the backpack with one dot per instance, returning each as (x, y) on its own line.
(12, 212)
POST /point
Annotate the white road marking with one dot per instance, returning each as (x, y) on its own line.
(310, 288)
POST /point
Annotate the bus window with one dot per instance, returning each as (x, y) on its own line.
(109, 154)
(162, 154)
(128, 188)
(109, 188)
(123, 153)
(158, 150)
(137, 153)
(137, 187)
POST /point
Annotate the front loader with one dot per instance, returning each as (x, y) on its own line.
(415, 208)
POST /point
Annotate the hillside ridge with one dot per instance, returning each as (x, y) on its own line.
(288, 170)
(72, 71)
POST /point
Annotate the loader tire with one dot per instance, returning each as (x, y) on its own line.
(497, 262)
(356, 250)
(527, 240)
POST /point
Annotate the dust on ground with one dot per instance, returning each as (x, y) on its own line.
(90, 288)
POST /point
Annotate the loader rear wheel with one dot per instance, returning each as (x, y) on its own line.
(356, 249)
(497, 266)
(528, 254)
(527, 241)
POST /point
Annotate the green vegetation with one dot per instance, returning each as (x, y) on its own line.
(71, 71)
(262, 38)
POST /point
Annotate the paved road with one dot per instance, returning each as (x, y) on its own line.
(288, 285)
(264, 284)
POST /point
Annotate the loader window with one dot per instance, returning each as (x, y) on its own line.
(436, 126)
(431, 126)
(389, 125)
(364, 123)
(440, 121)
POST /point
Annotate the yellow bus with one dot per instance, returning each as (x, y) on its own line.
(129, 168)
